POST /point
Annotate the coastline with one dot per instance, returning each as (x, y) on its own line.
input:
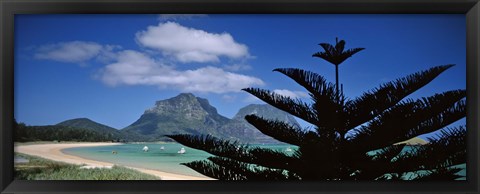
(54, 152)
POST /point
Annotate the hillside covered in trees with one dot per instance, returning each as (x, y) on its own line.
(25, 133)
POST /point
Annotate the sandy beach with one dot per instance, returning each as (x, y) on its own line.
(53, 152)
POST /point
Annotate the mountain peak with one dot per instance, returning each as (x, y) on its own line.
(239, 128)
(180, 97)
(81, 119)
(184, 113)
(185, 95)
(77, 120)
(267, 111)
(85, 123)
(183, 103)
(188, 114)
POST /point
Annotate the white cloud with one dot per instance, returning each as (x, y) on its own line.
(165, 17)
(108, 53)
(189, 44)
(75, 52)
(291, 94)
(135, 68)
(130, 67)
(237, 67)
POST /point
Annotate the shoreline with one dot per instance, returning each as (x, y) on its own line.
(54, 152)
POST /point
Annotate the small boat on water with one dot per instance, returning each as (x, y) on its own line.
(162, 148)
(145, 149)
(181, 151)
(288, 149)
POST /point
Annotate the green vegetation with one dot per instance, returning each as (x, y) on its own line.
(345, 132)
(84, 123)
(42, 169)
(75, 130)
(24, 133)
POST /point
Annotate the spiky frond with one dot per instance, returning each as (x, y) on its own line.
(316, 84)
(410, 119)
(447, 150)
(443, 119)
(434, 161)
(336, 54)
(374, 164)
(340, 46)
(441, 174)
(371, 104)
(236, 151)
(227, 169)
(280, 131)
(327, 103)
(388, 153)
(295, 107)
(253, 172)
(213, 170)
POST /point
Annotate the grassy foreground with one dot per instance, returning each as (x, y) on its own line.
(42, 169)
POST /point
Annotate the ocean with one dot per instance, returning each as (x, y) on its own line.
(166, 160)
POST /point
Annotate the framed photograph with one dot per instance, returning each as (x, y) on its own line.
(264, 96)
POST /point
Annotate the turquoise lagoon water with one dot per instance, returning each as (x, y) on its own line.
(167, 160)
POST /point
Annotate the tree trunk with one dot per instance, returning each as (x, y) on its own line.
(336, 79)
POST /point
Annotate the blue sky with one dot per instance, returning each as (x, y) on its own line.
(110, 68)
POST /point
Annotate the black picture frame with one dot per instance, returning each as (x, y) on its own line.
(8, 8)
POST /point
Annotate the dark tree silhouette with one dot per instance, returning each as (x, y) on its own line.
(336, 55)
(352, 139)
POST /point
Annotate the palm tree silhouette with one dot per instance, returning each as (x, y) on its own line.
(352, 139)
